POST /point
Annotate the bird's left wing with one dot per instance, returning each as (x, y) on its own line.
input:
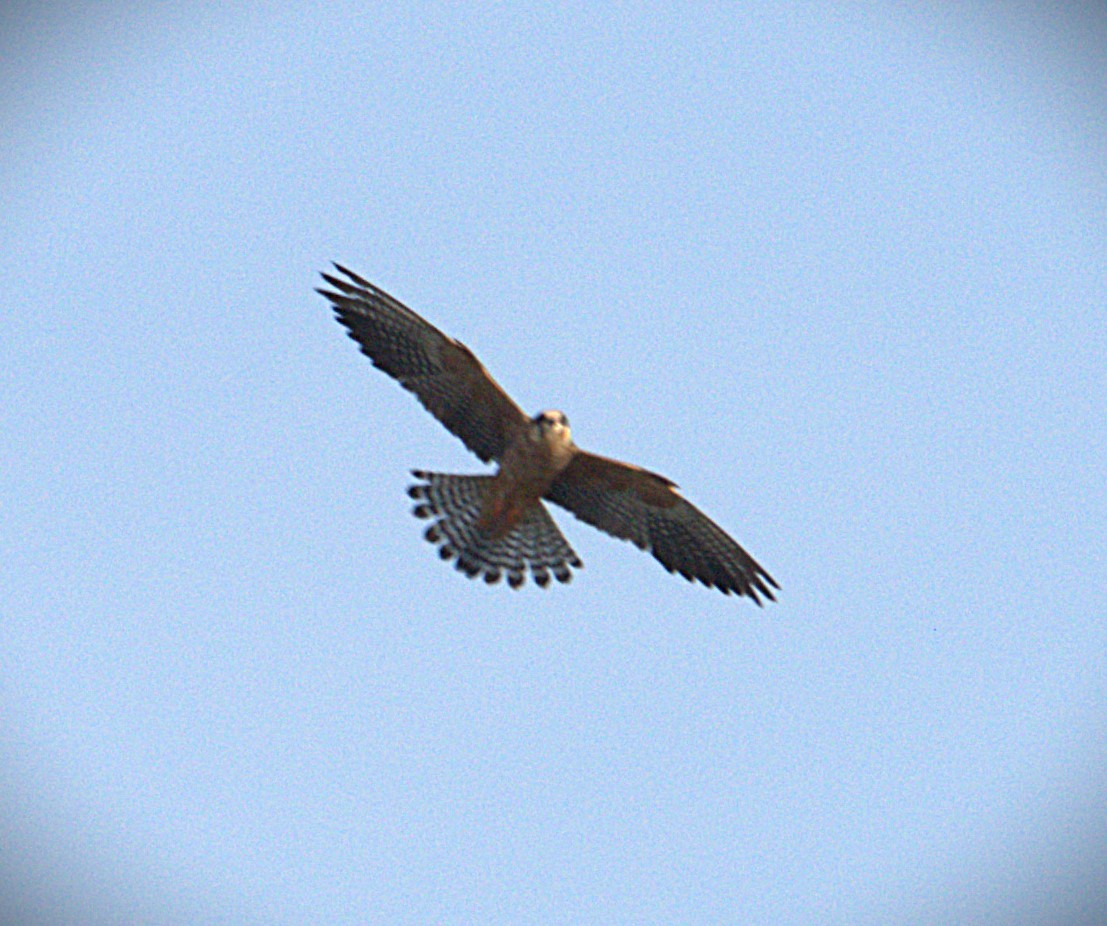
(443, 373)
(636, 505)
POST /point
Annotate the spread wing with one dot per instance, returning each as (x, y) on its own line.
(443, 373)
(636, 505)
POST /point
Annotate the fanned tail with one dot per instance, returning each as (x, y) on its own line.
(454, 502)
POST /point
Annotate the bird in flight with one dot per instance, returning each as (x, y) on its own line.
(497, 525)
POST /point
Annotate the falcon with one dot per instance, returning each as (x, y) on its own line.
(497, 525)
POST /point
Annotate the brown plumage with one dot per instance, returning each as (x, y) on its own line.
(497, 525)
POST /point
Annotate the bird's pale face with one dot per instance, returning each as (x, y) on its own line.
(553, 428)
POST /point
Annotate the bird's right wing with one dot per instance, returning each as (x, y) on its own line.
(443, 373)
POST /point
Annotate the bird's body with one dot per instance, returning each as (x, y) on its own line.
(498, 525)
(529, 466)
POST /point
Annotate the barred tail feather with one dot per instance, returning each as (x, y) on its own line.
(454, 503)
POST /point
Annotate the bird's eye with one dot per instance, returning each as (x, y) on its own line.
(551, 418)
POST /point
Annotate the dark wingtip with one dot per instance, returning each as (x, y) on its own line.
(764, 589)
(753, 593)
(349, 274)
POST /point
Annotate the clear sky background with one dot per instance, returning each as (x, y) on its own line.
(841, 274)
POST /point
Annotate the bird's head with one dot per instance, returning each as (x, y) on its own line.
(553, 427)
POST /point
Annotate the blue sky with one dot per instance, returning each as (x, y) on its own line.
(839, 274)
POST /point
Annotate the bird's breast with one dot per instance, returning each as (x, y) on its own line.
(527, 469)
